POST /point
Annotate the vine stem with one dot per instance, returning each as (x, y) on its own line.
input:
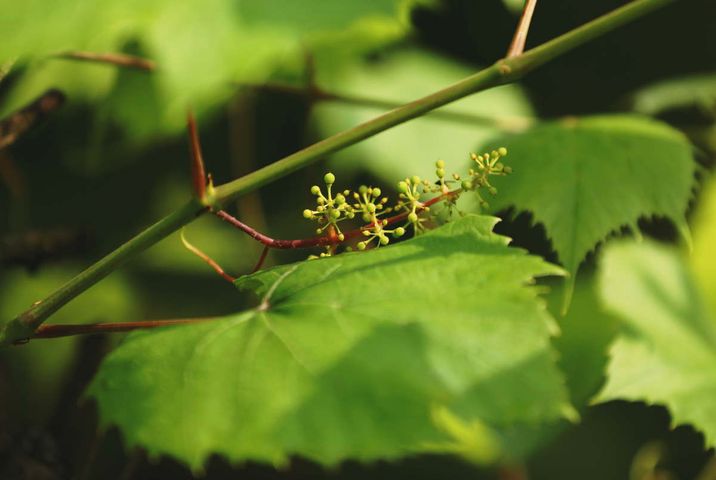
(502, 72)
(314, 93)
(63, 330)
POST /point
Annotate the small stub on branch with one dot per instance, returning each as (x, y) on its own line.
(13, 126)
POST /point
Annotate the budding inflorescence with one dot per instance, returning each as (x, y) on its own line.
(330, 210)
(369, 204)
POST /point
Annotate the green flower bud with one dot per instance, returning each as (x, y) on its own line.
(416, 179)
(440, 172)
(366, 233)
(363, 189)
(371, 207)
(507, 169)
(502, 151)
(402, 187)
(360, 245)
(315, 190)
(329, 178)
(307, 214)
(440, 164)
(340, 199)
(335, 214)
(466, 185)
(399, 232)
(366, 217)
(341, 237)
(384, 240)
(376, 192)
(413, 217)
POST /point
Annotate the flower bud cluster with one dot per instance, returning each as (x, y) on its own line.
(370, 206)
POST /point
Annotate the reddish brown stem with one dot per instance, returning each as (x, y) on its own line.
(262, 258)
(517, 47)
(119, 59)
(55, 331)
(198, 173)
(325, 239)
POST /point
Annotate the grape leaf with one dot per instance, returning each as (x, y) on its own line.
(200, 47)
(585, 178)
(668, 352)
(412, 148)
(703, 259)
(436, 343)
(586, 332)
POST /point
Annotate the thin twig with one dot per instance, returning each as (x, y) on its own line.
(12, 127)
(198, 172)
(260, 263)
(68, 330)
(518, 41)
(207, 259)
(118, 59)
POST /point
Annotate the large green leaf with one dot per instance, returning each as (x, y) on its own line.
(436, 343)
(667, 355)
(413, 148)
(201, 47)
(584, 178)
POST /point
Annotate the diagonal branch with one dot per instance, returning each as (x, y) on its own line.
(504, 71)
(518, 41)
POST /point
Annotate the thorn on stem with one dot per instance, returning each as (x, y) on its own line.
(198, 173)
(517, 47)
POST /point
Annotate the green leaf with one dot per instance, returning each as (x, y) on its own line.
(412, 148)
(586, 332)
(667, 353)
(201, 47)
(703, 258)
(693, 90)
(436, 343)
(584, 178)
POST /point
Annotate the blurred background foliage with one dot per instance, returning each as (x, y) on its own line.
(114, 158)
